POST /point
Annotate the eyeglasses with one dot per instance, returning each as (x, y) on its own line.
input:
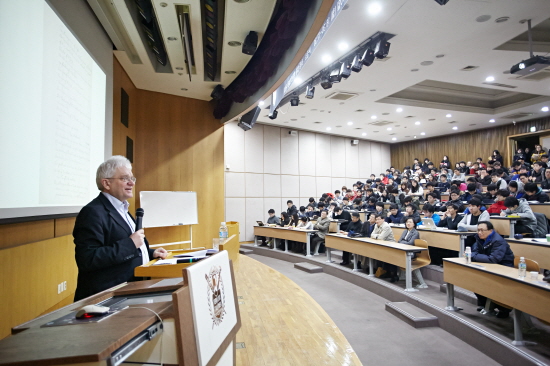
(126, 179)
(482, 230)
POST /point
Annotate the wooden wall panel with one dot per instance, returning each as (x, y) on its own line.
(464, 146)
(12, 235)
(64, 226)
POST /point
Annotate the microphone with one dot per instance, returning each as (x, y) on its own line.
(139, 219)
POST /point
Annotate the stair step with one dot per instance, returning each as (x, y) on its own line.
(308, 267)
(412, 315)
(461, 294)
(245, 251)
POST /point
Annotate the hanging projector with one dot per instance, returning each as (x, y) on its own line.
(533, 64)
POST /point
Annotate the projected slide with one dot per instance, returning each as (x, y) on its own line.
(52, 116)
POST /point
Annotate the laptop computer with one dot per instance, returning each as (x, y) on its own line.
(260, 223)
(429, 223)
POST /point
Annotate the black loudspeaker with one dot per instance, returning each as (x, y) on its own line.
(250, 43)
(248, 120)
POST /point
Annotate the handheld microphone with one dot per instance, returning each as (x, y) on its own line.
(139, 219)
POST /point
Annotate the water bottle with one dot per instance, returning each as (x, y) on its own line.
(522, 268)
(223, 233)
(468, 255)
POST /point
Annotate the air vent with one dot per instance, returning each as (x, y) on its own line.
(409, 117)
(452, 122)
(537, 76)
(385, 114)
(318, 122)
(469, 68)
(359, 110)
(341, 96)
(518, 115)
(500, 85)
(380, 123)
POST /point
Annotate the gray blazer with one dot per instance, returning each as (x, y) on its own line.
(322, 225)
(383, 232)
(409, 237)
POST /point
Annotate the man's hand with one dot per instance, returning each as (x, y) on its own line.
(138, 237)
(502, 213)
(160, 253)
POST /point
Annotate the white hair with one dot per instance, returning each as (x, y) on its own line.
(108, 168)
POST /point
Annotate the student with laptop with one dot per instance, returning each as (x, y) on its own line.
(272, 219)
(428, 211)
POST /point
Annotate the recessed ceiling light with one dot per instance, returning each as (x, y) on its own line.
(374, 8)
(364, 134)
(298, 81)
(417, 123)
(234, 43)
(455, 128)
(261, 103)
(343, 46)
(328, 128)
(449, 115)
(440, 56)
(389, 128)
(326, 59)
(501, 19)
(172, 38)
(394, 138)
(399, 110)
(373, 117)
(492, 120)
(350, 123)
(422, 133)
(544, 109)
(414, 70)
(483, 18)
(414, 136)
(426, 63)
(490, 78)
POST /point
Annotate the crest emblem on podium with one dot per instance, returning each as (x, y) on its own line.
(216, 295)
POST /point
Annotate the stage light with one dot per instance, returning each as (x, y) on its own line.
(442, 2)
(294, 100)
(335, 75)
(325, 82)
(217, 92)
(310, 91)
(273, 115)
(383, 48)
(368, 57)
(345, 69)
(356, 64)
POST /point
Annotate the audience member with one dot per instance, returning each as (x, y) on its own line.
(410, 211)
(498, 206)
(527, 222)
(535, 193)
(322, 226)
(353, 230)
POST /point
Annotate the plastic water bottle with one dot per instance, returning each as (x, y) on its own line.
(522, 268)
(224, 234)
(468, 255)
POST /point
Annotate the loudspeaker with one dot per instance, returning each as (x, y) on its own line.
(248, 120)
(250, 43)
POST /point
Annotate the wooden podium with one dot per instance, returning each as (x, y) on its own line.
(193, 322)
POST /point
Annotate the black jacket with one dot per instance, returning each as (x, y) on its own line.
(355, 227)
(104, 253)
(292, 210)
(449, 223)
(494, 249)
(344, 215)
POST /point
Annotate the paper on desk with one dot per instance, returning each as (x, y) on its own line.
(540, 241)
(166, 261)
(198, 253)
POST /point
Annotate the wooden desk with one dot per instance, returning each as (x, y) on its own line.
(302, 236)
(543, 208)
(537, 251)
(445, 239)
(499, 283)
(390, 252)
(504, 225)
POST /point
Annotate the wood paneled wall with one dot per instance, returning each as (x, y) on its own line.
(464, 146)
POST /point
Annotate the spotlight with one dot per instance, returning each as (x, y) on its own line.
(217, 92)
(442, 2)
(368, 57)
(383, 48)
(356, 64)
(325, 82)
(345, 69)
(273, 115)
(310, 91)
(335, 76)
(294, 100)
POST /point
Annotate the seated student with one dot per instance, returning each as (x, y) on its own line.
(294, 220)
(516, 189)
(428, 211)
(522, 170)
(408, 200)
(395, 215)
(527, 222)
(312, 202)
(338, 197)
(484, 177)
(432, 200)
(498, 206)
(451, 218)
(479, 186)
(302, 212)
(272, 219)
(443, 184)
(499, 182)
(461, 186)
(320, 207)
(544, 161)
(535, 193)
(382, 230)
(303, 224)
(458, 175)
(331, 208)
(370, 193)
(371, 204)
(340, 214)
(322, 226)
(463, 168)
(353, 230)
(357, 204)
(416, 189)
(469, 222)
(545, 183)
(410, 211)
(310, 212)
(490, 247)
(524, 178)
(379, 210)
(407, 237)
(291, 210)
(471, 190)
(454, 198)
(346, 205)
(430, 186)
(491, 193)
(368, 226)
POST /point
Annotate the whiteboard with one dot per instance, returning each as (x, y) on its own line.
(163, 208)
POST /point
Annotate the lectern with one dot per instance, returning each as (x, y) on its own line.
(191, 320)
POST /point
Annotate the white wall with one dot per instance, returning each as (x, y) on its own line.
(267, 167)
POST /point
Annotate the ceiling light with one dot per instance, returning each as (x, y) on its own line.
(326, 59)
(350, 123)
(394, 138)
(455, 128)
(356, 64)
(417, 123)
(422, 133)
(544, 109)
(261, 103)
(336, 75)
(310, 91)
(399, 110)
(343, 46)
(490, 78)
(389, 128)
(414, 136)
(492, 120)
(172, 38)
(374, 8)
(298, 81)
(328, 128)
(274, 115)
(373, 117)
(449, 115)
(294, 100)
(368, 57)
(364, 134)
